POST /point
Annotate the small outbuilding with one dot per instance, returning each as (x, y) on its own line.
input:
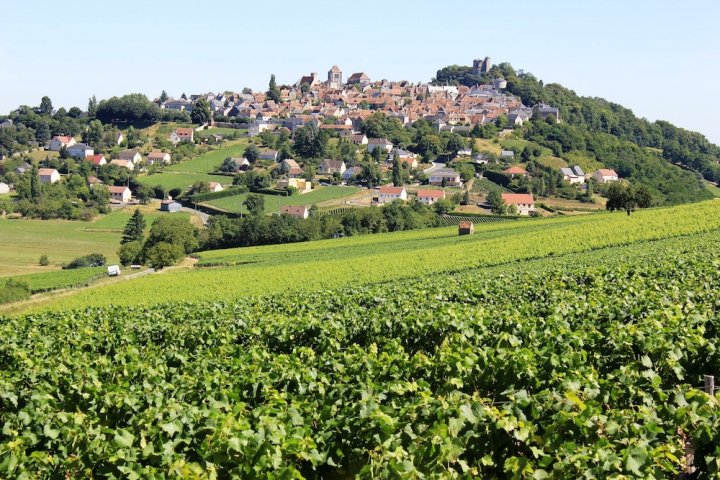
(466, 228)
(170, 205)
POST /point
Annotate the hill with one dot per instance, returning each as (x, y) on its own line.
(350, 262)
(580, 351)
(669, 160)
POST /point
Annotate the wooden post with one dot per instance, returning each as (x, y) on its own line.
(710, 385)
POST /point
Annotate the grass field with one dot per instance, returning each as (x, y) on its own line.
(172, 180)
(117, 220)
(56, 279)
(274, 202)
(360, 260)
(209, 162)
(220, 131)
(22, 242)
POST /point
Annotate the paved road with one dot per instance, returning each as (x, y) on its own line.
(203, 216)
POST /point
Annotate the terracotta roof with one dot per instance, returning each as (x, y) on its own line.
(44, 172)
(392, 190)
(117, 189)
(294, 210)
(431, 193)
(184, 131)
(515, 170)
(96, 159)
(157, 155)
(606, 172)
(516, 198)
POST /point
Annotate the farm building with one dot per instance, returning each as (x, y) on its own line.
(605, 175)
(170, 205)
(299, 211)
(466, 228)
(49, 175)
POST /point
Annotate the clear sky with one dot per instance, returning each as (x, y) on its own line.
(660, 58)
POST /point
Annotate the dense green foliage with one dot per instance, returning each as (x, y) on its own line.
(611, 133)
(87, 261)
(13, 290)
(57, 279)
(585, 366)
(353, 261)
(134, 228)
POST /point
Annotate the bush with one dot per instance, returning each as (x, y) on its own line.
(14, 291)
(92, 260)
(163, 254)
(129, 253)
(44, 260)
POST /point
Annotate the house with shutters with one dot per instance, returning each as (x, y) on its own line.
(182, 135)
(132, 155)
(329, 167)
(428, 197)
(120, 194)
(158, 157)
(60, 141)
(523, 202)
(446, 176)
(390, 194)
(381, 143)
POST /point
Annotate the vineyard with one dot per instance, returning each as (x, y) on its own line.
(579, 365)
(57, 279)
(351, 262)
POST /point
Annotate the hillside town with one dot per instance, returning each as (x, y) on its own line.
(454, 148)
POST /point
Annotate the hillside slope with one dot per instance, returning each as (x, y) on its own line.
(669, 160)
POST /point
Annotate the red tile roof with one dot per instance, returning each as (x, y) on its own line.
(431, 193)
(515, 170)
(517, 198)
(392, 190)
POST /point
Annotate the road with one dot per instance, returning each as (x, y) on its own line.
(203, 216)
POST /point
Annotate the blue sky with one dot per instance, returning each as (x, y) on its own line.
(659, 58)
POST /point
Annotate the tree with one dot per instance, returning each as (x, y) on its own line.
(134, 229)
(35, 186)
(371, 174)
(46, 106)
(201, 112)
(310, 141)
(305, 87)
(42, 134)
(621, 197)
(255, 204)
(173, 230)
(164, 96)
(44, 260)
(143, 193)
(252, 153)
(92, 106)
(94, 133)
(129, 252)
(163, 255)
(443, 206)
(400, 174)
(273, 92)
(201, 186)
(497, 205)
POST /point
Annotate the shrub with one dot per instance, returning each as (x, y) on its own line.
(44, 260)
(14, 291)
(92, 260)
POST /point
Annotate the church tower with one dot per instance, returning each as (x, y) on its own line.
(335, 77)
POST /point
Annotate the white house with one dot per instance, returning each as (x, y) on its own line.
(450, 176)
(605, 175)
(182, 135)
(258, 127)
(132, 155)
(4, 188)
(573, 175)
(215, 187)
(524, 202)
(120, 194)
(328, 167)
(359, 139)
(97, 160)
(389, 194)
(123, 163)
(352, 172)
(59, 141)
(300, 211)
(428, 197)
(381, 143)
(302, 185)
(158, 157)
(49, 175)
(80, 150)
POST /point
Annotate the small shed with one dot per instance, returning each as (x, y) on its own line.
(170, 206)
(466, 228)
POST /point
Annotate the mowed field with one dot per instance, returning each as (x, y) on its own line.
(184, 174)
(349, 262)
(22, 242)
(273, 203)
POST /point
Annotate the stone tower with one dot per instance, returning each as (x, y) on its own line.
(481, 67)
(335, 77)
